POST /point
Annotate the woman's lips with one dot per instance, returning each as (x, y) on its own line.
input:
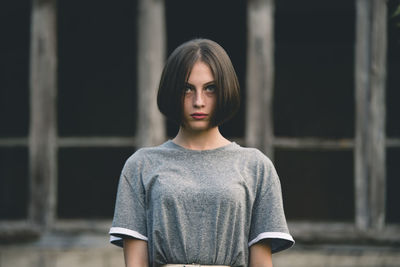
(199, 116)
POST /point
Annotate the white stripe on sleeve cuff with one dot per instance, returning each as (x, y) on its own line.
(265, 235)
(115, 231)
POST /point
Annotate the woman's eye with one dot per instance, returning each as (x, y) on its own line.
(211, 88)
(188, 89)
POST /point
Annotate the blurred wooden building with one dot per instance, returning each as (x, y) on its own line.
(320, 87)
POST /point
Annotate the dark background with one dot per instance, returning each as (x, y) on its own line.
(314, 97)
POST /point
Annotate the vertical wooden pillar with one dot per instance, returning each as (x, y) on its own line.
(260, 75)
(151, 56)
(43, 121)
(370, 71)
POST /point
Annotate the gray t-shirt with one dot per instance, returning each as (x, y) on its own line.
(206, 207)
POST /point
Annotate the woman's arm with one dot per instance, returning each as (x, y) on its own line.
(135, 253)
(260, 254)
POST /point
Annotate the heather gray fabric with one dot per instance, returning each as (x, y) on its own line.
(203, 207)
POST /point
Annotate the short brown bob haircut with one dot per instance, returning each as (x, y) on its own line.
(176, 74)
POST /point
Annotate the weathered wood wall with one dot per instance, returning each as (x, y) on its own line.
(369, 143)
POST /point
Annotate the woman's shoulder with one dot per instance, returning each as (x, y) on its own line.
(256, 166)
(253, 154)
(145, 153)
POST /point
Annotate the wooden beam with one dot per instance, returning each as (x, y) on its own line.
(393, 142)
(342, 233)
(43, 119)
(96, 141)
(377, 123)
(151, 56)
(17, 231)
(369, 153)
(362, 87)
(260, 75)
(13, 142)
(313, 143)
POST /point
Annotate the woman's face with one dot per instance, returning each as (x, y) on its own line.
(199, 99)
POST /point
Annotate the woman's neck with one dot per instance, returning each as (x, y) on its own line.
(201, 140)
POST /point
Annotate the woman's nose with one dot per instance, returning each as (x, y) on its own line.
(199, 99)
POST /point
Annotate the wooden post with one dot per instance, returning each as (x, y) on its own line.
(260, 75)
(378, 113)
(151, 56)
(43, 119)
(369, 153)
(361, 93)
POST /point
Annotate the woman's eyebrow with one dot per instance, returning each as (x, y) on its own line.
(209, 83)
(189, 84)
(206, 84)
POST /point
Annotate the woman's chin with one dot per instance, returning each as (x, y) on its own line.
(197, 126)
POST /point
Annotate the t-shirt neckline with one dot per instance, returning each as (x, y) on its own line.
(179, 147)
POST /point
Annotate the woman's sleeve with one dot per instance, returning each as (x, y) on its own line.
(129, 215)
(268, 218)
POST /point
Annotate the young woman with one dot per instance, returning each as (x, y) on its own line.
(199, 198)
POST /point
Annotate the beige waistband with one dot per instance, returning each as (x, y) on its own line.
(192, 265)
